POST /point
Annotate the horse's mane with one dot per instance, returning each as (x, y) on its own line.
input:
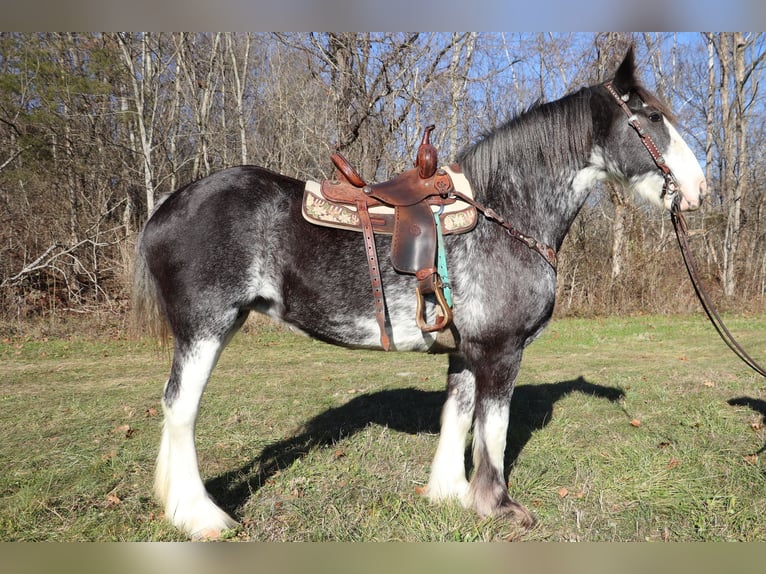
(549, 135)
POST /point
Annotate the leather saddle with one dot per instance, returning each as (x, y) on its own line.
(415, 207)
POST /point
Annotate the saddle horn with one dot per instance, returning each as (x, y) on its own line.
(426, 160)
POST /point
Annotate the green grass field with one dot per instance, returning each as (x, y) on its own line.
(622, 429)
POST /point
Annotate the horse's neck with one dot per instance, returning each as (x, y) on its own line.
(542, 204)
(541, 193)
(566, 200)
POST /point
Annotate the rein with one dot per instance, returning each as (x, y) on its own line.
(679, 224)
(543, 249)
(670, 188)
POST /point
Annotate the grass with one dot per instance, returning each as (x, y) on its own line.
(624, 429)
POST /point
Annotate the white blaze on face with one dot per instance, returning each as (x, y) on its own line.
(686, 169)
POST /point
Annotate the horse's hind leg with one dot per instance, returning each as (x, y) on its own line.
(178, 484)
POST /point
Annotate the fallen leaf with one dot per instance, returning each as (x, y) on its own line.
(674, 462)
(563, 492)
(751, 458)
(151, 412)
(113, 500)
(635, 423)
(757, 426)
(127, 429)
(339, 454)
(708, 384)
(663, 444)
(109, 455)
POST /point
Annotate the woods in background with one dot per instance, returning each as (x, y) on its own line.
(95, 127)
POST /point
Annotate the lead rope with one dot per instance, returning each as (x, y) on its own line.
(680, 227)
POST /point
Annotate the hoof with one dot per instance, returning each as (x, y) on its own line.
(494, 501)
(517, 513)
(444, 491)
(210, 534)
(201, 519)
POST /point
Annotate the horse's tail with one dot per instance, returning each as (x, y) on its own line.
(148, 315)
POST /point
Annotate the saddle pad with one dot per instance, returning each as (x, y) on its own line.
(457, 217)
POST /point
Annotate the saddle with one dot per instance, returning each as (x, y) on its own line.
(416, 207)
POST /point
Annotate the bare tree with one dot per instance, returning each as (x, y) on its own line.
(200, 63)
(239, 67)
(611, 48)
(143, 74)
(736, 90)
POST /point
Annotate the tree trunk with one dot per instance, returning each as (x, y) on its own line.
(619, 228)
(139, 83)
(240, 85)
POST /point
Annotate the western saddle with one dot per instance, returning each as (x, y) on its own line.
(418, 198)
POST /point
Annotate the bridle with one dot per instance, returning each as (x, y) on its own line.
(671, 189)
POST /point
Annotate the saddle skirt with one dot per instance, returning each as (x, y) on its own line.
(456, 217)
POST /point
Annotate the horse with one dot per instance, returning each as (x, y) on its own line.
(234, 242)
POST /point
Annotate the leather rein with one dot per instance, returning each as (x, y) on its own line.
(670, 188)
(543, 249)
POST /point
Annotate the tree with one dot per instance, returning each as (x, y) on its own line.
(737, 88)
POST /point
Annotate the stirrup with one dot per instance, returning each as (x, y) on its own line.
(443, 311)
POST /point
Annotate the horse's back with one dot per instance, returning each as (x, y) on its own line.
(240, 189)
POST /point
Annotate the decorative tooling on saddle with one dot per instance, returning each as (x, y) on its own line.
(456, 217)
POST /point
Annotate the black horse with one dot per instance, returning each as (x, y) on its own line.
(235, 242)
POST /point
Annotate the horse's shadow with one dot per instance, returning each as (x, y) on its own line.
(407, 410)
(757, 405)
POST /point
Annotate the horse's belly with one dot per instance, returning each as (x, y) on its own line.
(346, 325)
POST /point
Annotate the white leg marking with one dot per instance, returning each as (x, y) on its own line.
(495, 431)
(177, 480)
(492, 431)
(447, 478)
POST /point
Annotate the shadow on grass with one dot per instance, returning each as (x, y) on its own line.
(757, 405)
(407, 410)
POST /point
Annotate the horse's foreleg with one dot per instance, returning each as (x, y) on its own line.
(178, 484)
(488, 491)
(447, 479)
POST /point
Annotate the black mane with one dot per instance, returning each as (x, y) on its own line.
(548, 136)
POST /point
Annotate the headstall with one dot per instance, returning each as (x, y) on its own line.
(670, 187)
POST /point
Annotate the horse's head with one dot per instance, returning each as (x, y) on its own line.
(642, 148)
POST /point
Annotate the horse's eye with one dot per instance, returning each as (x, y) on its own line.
(655, 117)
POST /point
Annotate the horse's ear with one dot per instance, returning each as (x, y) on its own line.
(625, 76)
